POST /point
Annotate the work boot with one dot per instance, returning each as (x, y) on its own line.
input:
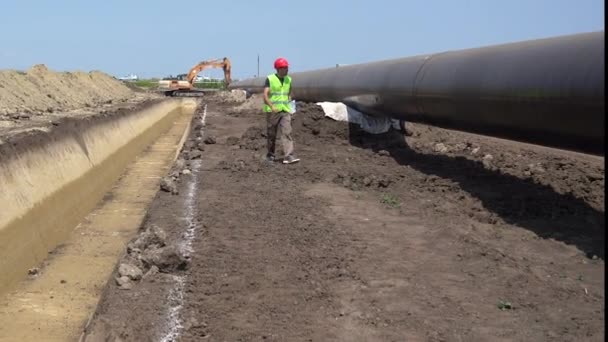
(406, 131)
(290, 160)
(270, 158)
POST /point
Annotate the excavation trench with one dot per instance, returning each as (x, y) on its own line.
(70, 200)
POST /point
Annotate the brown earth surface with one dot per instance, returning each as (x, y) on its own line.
(443, 236)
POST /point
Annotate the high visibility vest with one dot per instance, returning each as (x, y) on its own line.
(279, 93)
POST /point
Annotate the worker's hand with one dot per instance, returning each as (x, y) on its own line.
(274, 109)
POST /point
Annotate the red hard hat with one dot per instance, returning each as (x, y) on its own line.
(281, 63)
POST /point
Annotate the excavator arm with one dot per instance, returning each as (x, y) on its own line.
(213, 63)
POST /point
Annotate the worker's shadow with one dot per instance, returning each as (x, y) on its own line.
(520, 202)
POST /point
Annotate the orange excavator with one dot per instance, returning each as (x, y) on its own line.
(184, 84)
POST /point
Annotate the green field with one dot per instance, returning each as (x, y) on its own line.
(210, 85)
(146, 84)
(153, 84)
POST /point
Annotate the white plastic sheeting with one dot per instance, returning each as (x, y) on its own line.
(371, 124)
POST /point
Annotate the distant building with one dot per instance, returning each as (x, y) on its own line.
(130, 77)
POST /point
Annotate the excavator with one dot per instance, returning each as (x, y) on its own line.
(184, 84)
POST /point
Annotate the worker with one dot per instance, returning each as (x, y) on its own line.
(277, 95)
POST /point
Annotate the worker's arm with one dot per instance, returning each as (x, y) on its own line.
(267, 99)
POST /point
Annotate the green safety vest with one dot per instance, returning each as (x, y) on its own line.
(279, 93)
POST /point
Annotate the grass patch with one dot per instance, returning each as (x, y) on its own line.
(153, 84)
(150, 84)
(504, 305)
(210, 85)
(147, 84)
(390, 200)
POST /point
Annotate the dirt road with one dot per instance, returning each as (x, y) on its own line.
(445, 237)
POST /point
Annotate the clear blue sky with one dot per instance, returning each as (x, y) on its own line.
(157, 38)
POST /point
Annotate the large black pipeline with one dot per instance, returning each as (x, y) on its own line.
(547, 91)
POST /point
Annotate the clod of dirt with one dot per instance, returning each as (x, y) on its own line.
(167, 184)
(167, 259)
(196, 154)
(124, 283)
(232, 140)
(154, 236)
(18, 116)
(440, 148)
(535, 169)
(180, 164)
(193, 323)
(384, 153)
(33, 271)
(238, 165)
(487, 161)
(134, 251)
(210, 140)
(357, 181)
(383, 182)
(151, 272)
(254, 139)
(200, 146)
(254, 133)
(460, 147)
(130, 271)
(475, 150)
(186, 172)
(592, 176)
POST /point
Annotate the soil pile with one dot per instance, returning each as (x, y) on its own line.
(41, 90)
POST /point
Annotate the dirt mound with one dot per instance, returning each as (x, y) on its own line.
(254, 103)
(42, 90)
(311, 119)
(230, 97)
(254, 139)
(566, 175)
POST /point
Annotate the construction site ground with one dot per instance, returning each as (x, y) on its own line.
(442, 236)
